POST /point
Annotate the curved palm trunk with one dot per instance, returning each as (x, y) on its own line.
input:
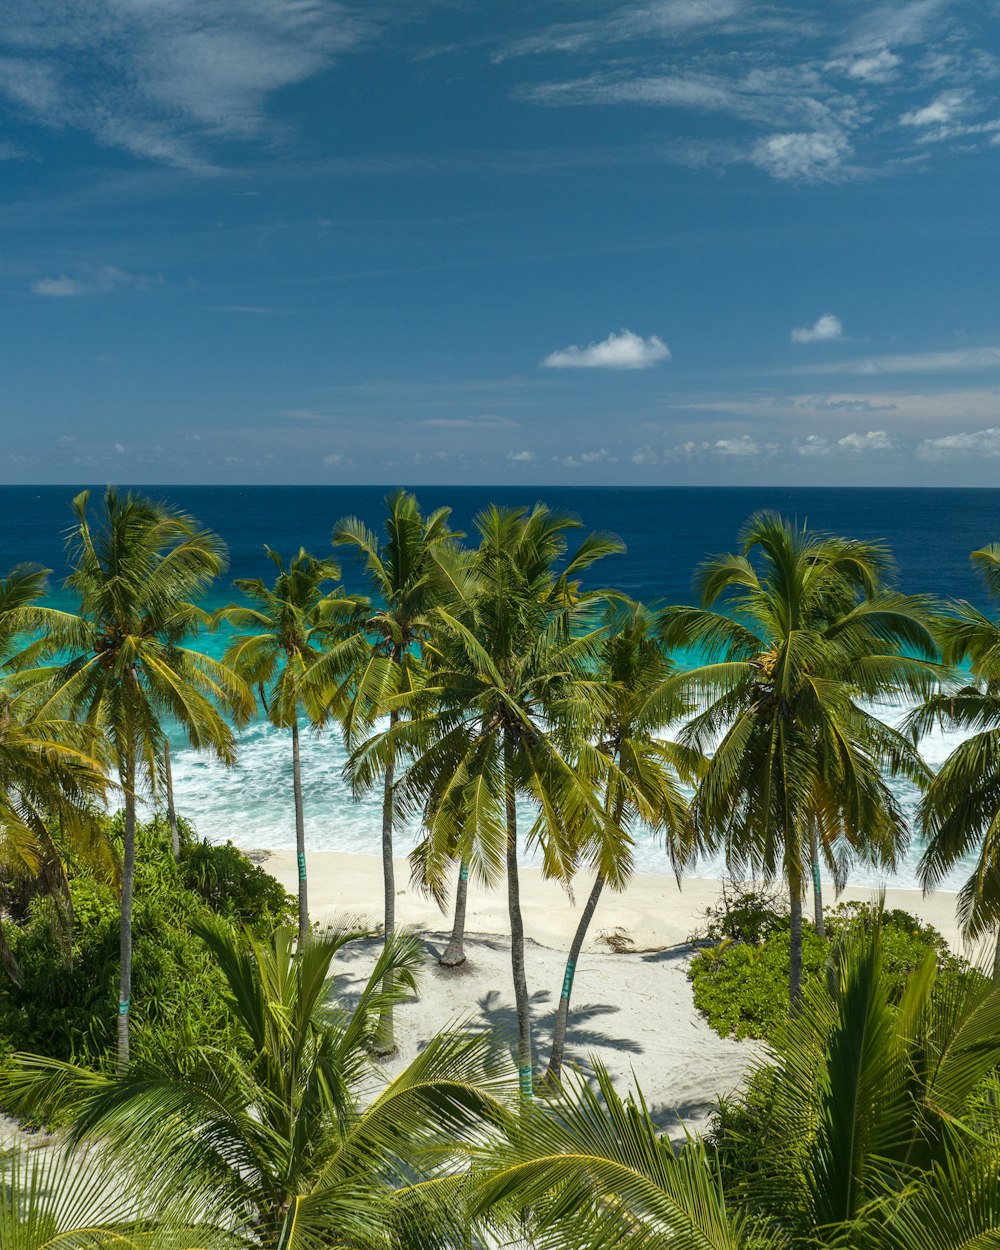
(128, 882)
(795, 946)
(385, 1039)
(817, 886)
(525, 1063)
(300, 837)
(562, 1011)
(454, 952)
(996, 958)
(175, 836)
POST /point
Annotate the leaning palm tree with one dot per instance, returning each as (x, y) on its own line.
(501, 717)
(871, 1125)
(282, 634)
(959, 815)
(293, 1130)
(640, 783)
(416, 568)
(813, 637)
(138, 574)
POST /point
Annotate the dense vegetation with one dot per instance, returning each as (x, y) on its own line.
(163, 1006)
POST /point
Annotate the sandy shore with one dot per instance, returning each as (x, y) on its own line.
(653, 911)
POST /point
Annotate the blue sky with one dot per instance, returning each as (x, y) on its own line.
(672, 241)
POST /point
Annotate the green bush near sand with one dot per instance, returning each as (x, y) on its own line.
(741, 985)
(65, 1004)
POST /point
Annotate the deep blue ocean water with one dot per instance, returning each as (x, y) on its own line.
(667, 532)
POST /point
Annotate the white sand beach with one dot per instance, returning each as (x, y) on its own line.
(634, 1011)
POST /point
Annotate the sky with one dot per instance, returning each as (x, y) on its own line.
(432, 241)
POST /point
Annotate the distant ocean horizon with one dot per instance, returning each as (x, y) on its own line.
(668, 531)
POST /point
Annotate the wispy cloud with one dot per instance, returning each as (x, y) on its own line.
(584, 458)
(874, 440)
(93, 282)
(911, 362)
(167, 81)
(825, 329)
(625, 350)
(950, 446)
(520, 457)
(470, 423)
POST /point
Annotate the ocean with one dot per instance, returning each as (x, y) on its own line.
(667, 531)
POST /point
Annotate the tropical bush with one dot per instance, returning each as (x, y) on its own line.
(65, 1002)
(741, 984)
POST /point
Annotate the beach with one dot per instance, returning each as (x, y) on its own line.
(633, 1008)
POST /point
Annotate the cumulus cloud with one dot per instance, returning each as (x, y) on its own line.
(603, 456)
(520, 457)
(813, 445)
(972, 443)
(93, 282)
(825, 329)
(874, 440)
(618, 351)
(645, 455)
(803, 156)
(940, 112)
(742, 446)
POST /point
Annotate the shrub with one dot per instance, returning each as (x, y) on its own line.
(234, 887)
(741, 987)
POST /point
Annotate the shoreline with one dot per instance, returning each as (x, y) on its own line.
(651, 914)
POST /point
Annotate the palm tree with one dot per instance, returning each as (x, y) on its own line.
(284, 632)
(640, 782)
(292, 1131)
(813, 634)
(869, 1127)
(416, 568)
(959, 814)
(138, 574)
(502, 714)
(50, 774)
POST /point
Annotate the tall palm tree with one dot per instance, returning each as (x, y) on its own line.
(814, 635)
(417, 567)
(284, 631)
(502, 716)
(959, 815)
(868, 1126)
(138, 574)
(292, 1130)
(640, 782)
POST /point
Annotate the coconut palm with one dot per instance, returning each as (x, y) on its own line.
(417, 567)
(50, 773)
(138, 574)
(282, 634)
(502, 715)
(814, 634)
(960, 813)
(640, 784)
(872, 1126)
(294, 1131)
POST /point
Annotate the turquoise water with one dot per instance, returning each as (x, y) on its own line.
(667, 533)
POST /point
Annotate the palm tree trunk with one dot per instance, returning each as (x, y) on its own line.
(300, 837)
(175, 836)
(525, 1063)
(795, 946)
(454, 952)
(128, 881)
(996, 958)
(817, 885)
(562, 1011)
(10, 964)
(385, 1038)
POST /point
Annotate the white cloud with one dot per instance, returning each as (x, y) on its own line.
(803, 156)
(946, 108)
(825, 329)
(618, 351)
(645, 455)
(912, 362)
(520, 457)
(471, 423)
(878, 66)
(93, 282)
(983, 443)
(811, 446)
(333, 459)
(603, 456)
(874, 440)
(743, 446)
(120, 448)
(165, 80)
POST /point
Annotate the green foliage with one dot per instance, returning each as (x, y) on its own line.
(741, 984)
(66, 1002)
